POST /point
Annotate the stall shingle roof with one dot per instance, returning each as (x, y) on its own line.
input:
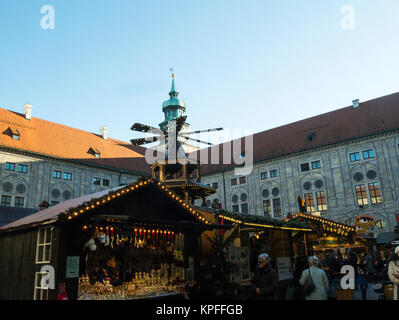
(52, 213)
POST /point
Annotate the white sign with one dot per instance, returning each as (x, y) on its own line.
(284, 268)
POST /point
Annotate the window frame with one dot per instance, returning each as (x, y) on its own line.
(365, 199)
(267, 205)
(235, 182)
(37, 288)
(96, 179)
(321, 205)
(7, 166)
(247, 207)
(270, 173)
(302, 164)
(44, 245)
(67, 176)
(57, 174)
(24, 168)
(277, 204)
(309, 202)
(374, 196)
(15, 202)
(368, 154)
(318, 164)
(263, 175)
(355, 156)
(4, 196)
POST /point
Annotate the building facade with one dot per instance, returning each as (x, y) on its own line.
(340, 178)
(42, 160)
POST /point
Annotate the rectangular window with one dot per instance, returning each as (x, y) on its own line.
(321, 201)
(243, 180)
(43, 248)
(6, 201)
(22, 168)
(309, 202)
(105, 182)
(215, 185)
(267, 209)
(40, 292)
(375, 193)
(9, 166)
(355, 156)
(67, 176)
(54, 203)
(305, 167)
(96, 181)
(263, 175)
(276, 207)
(236, 208)
(316, 164)
(273, 173)
(19, 202)
(244, 207)
(368, 154)
(56, 174)
(361, 195)
(234, 181)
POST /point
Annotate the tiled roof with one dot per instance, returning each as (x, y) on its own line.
(56, 140)
(370, 118)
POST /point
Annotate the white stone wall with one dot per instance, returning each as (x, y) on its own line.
(39, 183)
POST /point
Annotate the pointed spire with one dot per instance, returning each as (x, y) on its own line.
(173, 93)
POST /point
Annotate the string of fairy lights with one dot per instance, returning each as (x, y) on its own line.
(261, 225)
(328, 225)
(78, 211)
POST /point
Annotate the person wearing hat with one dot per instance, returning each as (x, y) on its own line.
(393, 272)
(265, 281)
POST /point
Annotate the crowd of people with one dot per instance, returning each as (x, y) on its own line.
(324, 273)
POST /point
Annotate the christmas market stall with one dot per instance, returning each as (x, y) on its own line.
(328, 234)
(135, 241)
(251, 235)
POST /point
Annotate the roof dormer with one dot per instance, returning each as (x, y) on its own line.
(95, 152)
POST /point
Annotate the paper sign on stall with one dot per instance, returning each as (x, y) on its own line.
(284, 268)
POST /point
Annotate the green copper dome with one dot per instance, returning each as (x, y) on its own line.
(174, 101)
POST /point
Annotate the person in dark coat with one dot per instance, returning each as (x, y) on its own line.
(362, 279)
(265, 281)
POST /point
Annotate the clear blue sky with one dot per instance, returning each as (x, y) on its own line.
(238, 64)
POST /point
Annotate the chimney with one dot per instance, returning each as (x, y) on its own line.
(43, 205)
(104, 132)
(356, 103)
(28, 110)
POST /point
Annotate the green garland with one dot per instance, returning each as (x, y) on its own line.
(264, 220)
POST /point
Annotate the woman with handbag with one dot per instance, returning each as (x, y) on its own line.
(315, 281)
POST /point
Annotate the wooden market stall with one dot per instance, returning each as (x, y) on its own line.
(328, 234)
(251, 235)
(152, 233)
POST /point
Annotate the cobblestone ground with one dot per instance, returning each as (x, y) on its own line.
(371, 294)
